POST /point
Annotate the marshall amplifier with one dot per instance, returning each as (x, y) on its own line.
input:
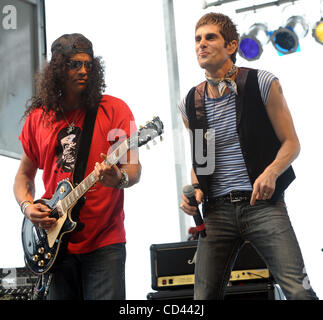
(172, 265)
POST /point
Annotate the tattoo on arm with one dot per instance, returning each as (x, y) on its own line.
(280, 89)
(30, 188)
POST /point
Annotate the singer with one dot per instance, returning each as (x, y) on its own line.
(70, 86)
(245, 121)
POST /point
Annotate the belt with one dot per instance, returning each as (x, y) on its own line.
(233, 196)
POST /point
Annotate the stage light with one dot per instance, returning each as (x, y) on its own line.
(286, 39)
(318, 31)
(250, 47)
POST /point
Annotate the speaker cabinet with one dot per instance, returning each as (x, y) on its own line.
(247, 291)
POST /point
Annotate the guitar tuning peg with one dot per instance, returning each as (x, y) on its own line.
(161, 138)
(154, 142)
(147, 146)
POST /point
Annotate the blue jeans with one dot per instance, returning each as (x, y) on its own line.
(97, 275)
(267, 227)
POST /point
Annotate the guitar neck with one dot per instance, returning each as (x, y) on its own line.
(71, 199)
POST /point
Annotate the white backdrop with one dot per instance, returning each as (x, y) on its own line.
(129, 35)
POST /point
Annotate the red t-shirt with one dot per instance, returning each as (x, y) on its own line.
(53, 149)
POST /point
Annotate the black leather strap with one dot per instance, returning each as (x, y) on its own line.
(81, 160)
(84, 146)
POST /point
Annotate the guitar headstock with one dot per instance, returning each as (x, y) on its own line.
(150, 131)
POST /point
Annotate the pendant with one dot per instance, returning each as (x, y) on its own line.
(70, 128)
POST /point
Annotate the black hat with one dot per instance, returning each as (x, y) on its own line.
(70, 44)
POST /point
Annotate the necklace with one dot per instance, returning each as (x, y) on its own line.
(225, 107)
(71, 125)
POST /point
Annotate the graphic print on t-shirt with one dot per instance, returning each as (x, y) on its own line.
(66, 149)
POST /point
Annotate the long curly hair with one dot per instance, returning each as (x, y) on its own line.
(51, 80)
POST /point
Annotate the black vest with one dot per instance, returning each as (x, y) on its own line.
(258, 140)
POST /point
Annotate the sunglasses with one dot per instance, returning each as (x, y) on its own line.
(76, 64)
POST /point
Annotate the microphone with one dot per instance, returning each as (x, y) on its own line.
(188, 191)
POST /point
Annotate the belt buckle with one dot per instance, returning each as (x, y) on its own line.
(234, 198)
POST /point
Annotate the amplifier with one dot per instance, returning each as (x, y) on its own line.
(172, 265)
(16, 283)
(246, 291)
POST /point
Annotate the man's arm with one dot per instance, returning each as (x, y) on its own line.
(24, 191)
(132, 167)
(198, 192)
(282, 122)
(199, 195)
(24, 184)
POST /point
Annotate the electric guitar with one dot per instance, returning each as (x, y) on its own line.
(41, 247)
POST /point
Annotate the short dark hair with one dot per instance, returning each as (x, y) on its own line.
(228, 29)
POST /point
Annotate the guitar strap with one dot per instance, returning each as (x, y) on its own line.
(84, 146)
(82, 158)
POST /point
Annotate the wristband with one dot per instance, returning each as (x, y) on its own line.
(196, 186)
(23, 205)
(124, 181)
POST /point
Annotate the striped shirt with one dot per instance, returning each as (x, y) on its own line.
(230, 172)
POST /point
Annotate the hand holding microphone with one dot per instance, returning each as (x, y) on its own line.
(188, 192)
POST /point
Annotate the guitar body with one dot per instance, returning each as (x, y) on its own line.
(41, 246)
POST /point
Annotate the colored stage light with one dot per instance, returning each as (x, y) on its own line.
(250, 47)
(318, 31)
(286, 39)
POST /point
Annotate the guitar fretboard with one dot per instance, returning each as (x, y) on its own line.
(71, 199)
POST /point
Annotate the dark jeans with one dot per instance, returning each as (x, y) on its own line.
(98, 275)
(268, 228)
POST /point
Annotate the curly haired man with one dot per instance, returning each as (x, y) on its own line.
(70, 86)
